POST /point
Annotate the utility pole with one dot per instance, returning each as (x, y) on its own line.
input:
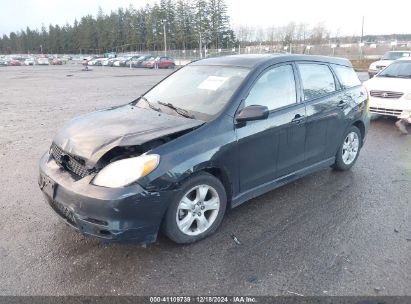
(362, 29)
(165, 37)
(362, 37)
(201, 48)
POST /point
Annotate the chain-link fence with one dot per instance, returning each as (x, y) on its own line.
(354, 51)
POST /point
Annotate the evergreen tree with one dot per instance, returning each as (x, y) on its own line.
(130, 29)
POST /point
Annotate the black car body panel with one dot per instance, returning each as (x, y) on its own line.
(130, 213)
(92, 135)
(249, 158)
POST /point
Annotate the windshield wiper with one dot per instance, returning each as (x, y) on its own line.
(178, 110)
(150, 105)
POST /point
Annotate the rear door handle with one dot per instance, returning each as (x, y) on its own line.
(298, 119)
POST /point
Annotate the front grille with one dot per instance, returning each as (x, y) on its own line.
(384, 111)
(386, 94)
(69, 162)
(380, 67)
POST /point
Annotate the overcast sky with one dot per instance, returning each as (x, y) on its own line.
(343, 16)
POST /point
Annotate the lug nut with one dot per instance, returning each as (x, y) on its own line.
(202, 207)
(199, 214)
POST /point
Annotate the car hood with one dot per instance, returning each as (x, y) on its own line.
(92, 135)
(389, 84)
(381, 63)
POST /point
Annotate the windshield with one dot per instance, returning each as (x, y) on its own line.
(395, 55)
(398, 69)
(199, 89)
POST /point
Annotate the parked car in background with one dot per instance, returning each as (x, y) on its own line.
(87, 59)
(29, 61)
(96, 61)
(386, 60)
(15, 62)
(148, 62)
(99, 61)
(211, 136)
(162, 62)
(120, 61)
(125, 61)
(4, 61)
(105, 62)
(111, 61)
(138, 62)
(57, 61)
(43, 61)
(390, 90)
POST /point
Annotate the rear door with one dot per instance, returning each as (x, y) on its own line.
(324, 105)
(275, 146)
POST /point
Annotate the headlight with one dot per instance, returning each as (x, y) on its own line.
(126, 171)
(408, 96)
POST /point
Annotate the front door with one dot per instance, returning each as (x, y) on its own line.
(275, 146)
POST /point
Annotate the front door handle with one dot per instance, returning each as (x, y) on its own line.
(298, 119)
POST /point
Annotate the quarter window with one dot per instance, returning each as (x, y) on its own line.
(317, 80)
(347, 76)
(274, 89)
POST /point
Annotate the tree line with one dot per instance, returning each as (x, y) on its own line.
(304, 33)
(186, 24)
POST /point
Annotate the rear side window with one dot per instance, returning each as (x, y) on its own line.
(317, 80)
(347, 76)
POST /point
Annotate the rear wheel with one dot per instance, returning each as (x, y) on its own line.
(349, 150)
(172, 66)
(197, 210)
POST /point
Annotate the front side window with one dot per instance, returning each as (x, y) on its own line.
(317, 80)
(274, 89)
(347, 76)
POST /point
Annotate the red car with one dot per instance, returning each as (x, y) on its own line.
(15, 62)
(57, 61)
(163, 63)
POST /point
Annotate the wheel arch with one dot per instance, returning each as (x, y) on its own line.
(215, 171)
(360, 125)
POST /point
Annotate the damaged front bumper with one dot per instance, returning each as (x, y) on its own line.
(109, 214)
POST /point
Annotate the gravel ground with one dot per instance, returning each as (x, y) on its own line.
(327, 234)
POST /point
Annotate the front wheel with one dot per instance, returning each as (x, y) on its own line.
(349, 150)
(197, 210)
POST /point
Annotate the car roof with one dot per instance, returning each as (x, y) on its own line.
(252, 61)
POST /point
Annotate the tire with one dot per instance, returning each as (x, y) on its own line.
(172, 66)
(348, 152)
(181, 215)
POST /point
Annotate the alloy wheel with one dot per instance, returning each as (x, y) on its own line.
(198, 210)
(350, 148)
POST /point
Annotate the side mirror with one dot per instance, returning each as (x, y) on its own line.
(251, 113)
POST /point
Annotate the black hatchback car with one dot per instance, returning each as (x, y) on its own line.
(207, 138)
